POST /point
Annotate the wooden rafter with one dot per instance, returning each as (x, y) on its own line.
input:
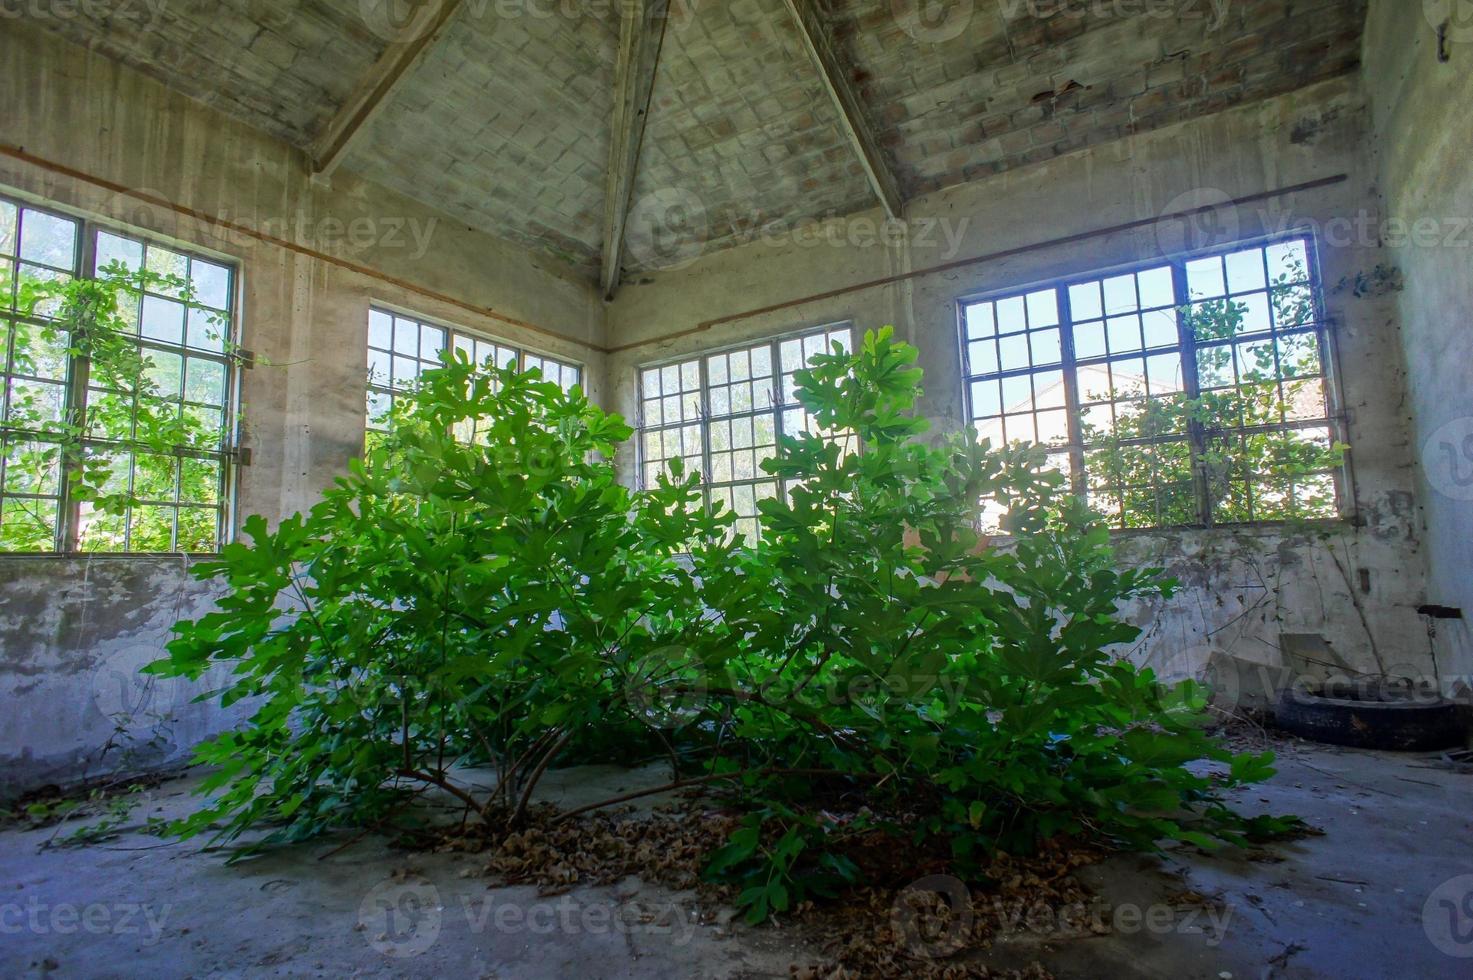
(819, 43)
(641, 35)
(392, 67)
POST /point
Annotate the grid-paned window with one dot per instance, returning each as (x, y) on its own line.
(1186, 393)
(722, 413)
(182, 328)
(401, 348)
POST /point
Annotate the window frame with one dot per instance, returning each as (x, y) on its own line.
(1322, 328)
(395, 312)
(780, 406)
(77, 391)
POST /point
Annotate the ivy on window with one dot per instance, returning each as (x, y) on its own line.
(115, 413)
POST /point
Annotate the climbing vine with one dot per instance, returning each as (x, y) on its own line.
(113, 433)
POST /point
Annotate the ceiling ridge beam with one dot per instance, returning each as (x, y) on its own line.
(373, 90)
(641, 36)
(818, 41)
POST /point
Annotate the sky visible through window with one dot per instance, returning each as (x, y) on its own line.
(723, 412)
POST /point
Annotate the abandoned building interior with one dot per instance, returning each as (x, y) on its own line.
(715, 273)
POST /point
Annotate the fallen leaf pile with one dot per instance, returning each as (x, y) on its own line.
(668, 846)
(937, 928)
(911, 920)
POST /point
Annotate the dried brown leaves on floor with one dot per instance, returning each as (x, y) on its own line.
(938, 928)
(914, 920)
(669, 846)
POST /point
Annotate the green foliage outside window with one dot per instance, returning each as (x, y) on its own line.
(1257, 435)
(132, 446)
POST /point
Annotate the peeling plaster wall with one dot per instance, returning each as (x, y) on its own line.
(1357, 585)
(75, 634)
(69, 627)
(1420, 115)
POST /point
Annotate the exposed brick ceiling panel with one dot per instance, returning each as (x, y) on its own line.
(741, 134)
(506, 124)
(983, 87)
(283, 66)
(505, 121)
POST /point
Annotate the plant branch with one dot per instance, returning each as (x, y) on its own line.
(703, 780)
(536, 776)
(441, 782)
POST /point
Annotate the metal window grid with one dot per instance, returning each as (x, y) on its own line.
(401, 347)
(1066, 362)
(725, 411)
(200, 350)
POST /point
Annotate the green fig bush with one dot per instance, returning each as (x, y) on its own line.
(478, 587)
(480, 599)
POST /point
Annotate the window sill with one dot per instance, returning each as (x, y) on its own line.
(1254, 527)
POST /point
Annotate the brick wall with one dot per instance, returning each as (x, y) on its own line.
(506, 124)
(742, 133)
(1006, 83)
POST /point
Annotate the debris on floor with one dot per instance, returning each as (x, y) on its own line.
(619, 896)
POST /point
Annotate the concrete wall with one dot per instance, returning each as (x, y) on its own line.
(1420, 115)
(70, 628)
(1359, 584)
(73, 635)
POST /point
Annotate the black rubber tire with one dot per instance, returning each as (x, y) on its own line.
(1410, 725)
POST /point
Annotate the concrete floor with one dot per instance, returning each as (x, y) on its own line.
(1348, 904)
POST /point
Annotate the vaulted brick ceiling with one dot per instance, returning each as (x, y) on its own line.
(505, 121)
(283, 66)
(741, 135)
(985, 85)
